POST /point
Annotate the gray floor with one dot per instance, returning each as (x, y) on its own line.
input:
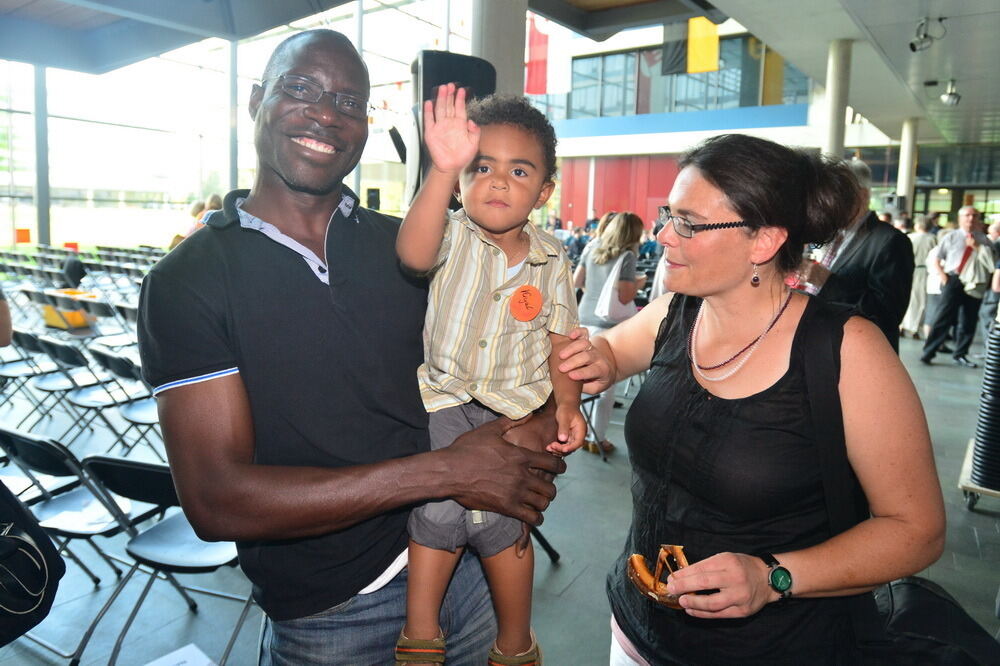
(586, 524)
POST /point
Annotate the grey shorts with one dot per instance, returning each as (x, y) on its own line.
(447, 525)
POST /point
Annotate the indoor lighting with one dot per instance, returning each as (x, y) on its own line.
(922, 39)
(950, 96)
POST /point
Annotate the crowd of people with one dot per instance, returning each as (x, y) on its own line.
(294, 389)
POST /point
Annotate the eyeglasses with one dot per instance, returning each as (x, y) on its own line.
(307, 90)
(686, 229)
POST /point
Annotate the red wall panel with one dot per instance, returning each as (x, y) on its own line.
(638, 183)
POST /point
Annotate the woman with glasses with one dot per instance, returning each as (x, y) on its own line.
(617, 234)
(728, 450)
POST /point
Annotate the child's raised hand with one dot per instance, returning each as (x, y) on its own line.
(452, 139)
(572, 430)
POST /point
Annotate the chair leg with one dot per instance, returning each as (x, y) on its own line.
(104, 556)
(236, 630)
(546, 546)
(192, 604)
(64, 548)
(131, 616)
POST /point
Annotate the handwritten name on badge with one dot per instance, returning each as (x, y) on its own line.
(526, 303)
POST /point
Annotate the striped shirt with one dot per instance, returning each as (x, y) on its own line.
(474, 348)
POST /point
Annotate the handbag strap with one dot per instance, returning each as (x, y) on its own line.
(846, 505)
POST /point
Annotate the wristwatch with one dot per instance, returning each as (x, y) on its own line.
(779, 578)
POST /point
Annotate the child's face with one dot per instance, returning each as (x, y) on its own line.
(505, 180)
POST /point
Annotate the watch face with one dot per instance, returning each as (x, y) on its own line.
(781, 580)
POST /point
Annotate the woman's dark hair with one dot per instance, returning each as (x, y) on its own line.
(517, 111)
(770, 185)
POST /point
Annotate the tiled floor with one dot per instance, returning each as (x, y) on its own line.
(586, 524)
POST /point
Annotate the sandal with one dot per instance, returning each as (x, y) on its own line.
(533, 657)
(593, 447)
(419, 651)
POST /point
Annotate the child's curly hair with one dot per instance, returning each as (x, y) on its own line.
(517, 111)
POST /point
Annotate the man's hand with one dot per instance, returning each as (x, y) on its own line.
(493, 475)
(813, 272)
(452, 139)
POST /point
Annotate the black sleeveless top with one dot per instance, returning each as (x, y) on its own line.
(717, 475)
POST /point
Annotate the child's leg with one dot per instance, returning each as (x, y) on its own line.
(510, 579)
(427, 580)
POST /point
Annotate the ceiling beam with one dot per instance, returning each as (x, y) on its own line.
(40, 44)
(601, 24)
(197, 17)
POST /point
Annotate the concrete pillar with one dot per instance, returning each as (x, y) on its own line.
(498, 36)
(42, 193)
(907, 162)
(838, 81)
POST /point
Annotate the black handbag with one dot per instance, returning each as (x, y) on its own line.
(30, 569)
(907, 621)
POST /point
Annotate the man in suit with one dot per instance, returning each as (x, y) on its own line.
(868, 265)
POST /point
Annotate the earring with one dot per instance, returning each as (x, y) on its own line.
(755, 280)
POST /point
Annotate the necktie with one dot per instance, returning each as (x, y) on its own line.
(965, 258)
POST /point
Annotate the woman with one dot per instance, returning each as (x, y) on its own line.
(720, 435)
(617, 234)
(923, 242)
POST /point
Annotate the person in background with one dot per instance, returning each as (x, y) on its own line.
(575, 243)
(723, 450)
(195, 211)
(922, 242)
(868, 265)
(956, 306)
(6, 328)
(621, 235)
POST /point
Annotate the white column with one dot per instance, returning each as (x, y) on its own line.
(498, 36)
(907, 162)
(838, 81)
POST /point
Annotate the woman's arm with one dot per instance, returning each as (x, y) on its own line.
(617, 353)
(580, 275)
(889, 448)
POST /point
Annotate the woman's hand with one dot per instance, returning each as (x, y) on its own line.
(585, 361)
(452, 139)
(741, 581)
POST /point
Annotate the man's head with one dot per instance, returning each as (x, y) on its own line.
(863, 175)
(310, 146)
(967, 218)
(993, 231)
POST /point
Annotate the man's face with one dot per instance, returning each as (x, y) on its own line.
(967, 219)
(310, 147)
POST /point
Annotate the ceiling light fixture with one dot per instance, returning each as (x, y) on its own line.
(923, 39)
(950, 96)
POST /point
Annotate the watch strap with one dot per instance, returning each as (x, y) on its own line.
(773, 564)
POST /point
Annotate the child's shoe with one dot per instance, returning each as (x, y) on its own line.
(533, 657)
(419, 651)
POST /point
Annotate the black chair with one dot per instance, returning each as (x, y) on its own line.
(141, 412)
(83, 513)
(169, 546)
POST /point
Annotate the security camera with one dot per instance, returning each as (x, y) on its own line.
(921, 43)
(950, 96)
(923, 40)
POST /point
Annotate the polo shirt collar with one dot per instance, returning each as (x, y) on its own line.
(537, 252)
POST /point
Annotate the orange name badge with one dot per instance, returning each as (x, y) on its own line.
(526, 303)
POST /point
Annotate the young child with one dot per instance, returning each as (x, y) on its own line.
(501, 305)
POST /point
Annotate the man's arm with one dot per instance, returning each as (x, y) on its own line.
(209, 437)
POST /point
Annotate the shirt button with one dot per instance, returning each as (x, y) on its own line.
(473, 387)
(482, 344)
(496, 251)
(496, 297)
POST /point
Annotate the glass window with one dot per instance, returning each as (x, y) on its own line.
(586, 87)
(795, 89)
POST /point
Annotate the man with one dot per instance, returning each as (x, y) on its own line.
(954, 251)
(283, 341)
(868, 265)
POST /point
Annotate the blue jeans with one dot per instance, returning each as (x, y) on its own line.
(362, 631)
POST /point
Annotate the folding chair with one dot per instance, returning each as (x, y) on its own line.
(82, 513)
(587, 403)
(21, 366)
(141, 412)
(169, 546)
(118, 334)
(94, 397)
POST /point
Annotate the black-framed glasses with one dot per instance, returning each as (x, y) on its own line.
(686, 229)
(307, 90)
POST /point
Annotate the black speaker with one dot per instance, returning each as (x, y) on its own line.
(429, 70)
(374, 197)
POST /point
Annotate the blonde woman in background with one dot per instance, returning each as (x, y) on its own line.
(618, 233)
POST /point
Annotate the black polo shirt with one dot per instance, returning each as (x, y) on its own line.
(330, 370)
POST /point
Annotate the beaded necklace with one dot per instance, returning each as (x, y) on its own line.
(749, 349)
